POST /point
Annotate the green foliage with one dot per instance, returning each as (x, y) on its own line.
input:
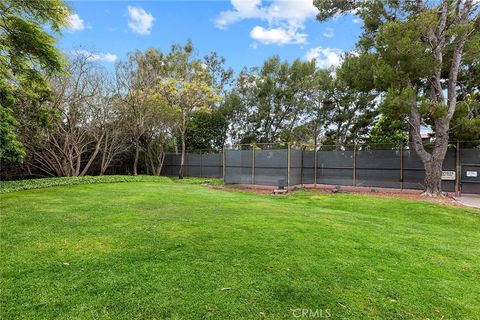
(270, 100)
(148, 250)
(352, 108)
(389, 131)
(207, 129)
(397, 47)
(28, 51)
(466, 120)
(18, 185)
(11, 150)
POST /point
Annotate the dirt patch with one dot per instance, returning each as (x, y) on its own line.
(414, 195)
(241, 188)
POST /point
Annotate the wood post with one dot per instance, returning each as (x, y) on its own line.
(288, 164)
(201, 164)
(401, 166)
(458, 172)
(315, 166)
(301, 166)
(354, 178)
(223, 164)
(253, 164)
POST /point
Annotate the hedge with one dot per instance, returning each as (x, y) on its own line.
(18, 185)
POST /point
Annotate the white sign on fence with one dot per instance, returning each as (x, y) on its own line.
(448, 175)
(472, 174)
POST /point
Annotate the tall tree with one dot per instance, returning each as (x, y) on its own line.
(419, 48)
(270, 100)
(136, 94)
(73, 141)
(189, 84)
(27, 52)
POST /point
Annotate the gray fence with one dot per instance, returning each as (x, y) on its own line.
(353, 166)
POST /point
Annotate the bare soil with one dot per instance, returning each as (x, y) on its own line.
(408, 195)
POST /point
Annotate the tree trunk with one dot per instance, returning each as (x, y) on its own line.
(160, 164)
(94, 155)
(102, 162)
(432, 161)
(433, 177)
(137, 152)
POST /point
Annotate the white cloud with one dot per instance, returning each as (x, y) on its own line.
(278, 36)
(329, 33)
(75, 23)
(140, 21)
(108, 57)
(293, 12)
(325, 57)
(284, 18)
(357, 20)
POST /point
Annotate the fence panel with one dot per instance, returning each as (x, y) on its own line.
(295, 166)
(271, 167)
(211, 165)
(469, 157)
(378, 168)
(308, 167)
(171, 165)
(335, 167)
(363, 167)
(193, 165)
(238, 166)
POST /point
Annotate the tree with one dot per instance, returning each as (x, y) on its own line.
(188, 85)
(465, 125)
(389, 131)
(159, 130)
(268, 102)
(337, 106)
(207, 129)
(11, 150)
(136, 94)
(419, 48)
(28, 51)
(73, 140)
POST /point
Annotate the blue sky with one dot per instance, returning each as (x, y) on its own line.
(245, 32)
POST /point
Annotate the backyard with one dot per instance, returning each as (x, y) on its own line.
(167, 249)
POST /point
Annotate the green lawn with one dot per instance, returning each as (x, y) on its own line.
(156, 250)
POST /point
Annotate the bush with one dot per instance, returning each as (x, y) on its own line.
(18, 185)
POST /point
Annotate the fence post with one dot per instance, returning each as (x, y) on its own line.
(401, 166)
(315, 166)
(354, 178)
(301, 167)
(457, 169)
(201, 165)
(253, 164)
(288, 164)
(223, 164)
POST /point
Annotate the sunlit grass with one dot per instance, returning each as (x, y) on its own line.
(150, 250)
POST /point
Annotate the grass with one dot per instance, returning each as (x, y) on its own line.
(149, 250)
(193, 180)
